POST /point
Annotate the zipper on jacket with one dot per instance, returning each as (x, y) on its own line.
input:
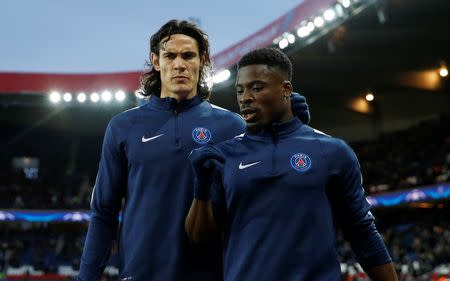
(177, 137)
(274, 153)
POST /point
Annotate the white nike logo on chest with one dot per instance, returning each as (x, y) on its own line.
(245, 166)
(144, 139)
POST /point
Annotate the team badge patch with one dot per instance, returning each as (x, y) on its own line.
(301, 162)
(201, 135)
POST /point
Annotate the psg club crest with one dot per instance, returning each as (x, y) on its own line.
(201, 135)
(301, 162)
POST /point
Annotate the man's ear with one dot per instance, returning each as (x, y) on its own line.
(155, 61)
(287, 88)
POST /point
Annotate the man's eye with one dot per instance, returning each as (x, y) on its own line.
(188, 56)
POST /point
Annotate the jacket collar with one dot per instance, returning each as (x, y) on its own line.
(277, 129)
(172, 104)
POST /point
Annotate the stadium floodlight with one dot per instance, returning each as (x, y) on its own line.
(283, 43)
(81, 97)
(319, 22)
(106, 96)
(67, 97)
(209, 81)
(291, 38)
(55, 97)
(95, 97)
(443, 71)
(303, 31)
(221, 76)
(310, 26)
(339, 10)
(370, 97)
(329, 15)
(345, 3)
(120, 95)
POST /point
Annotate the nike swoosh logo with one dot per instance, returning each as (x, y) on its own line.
(241, 166)
(144, 139)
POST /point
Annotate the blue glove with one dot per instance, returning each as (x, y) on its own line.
(206, 162)
(300, 108)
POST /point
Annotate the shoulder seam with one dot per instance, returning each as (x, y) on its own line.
(218, 107)
(320, 132)
(226, 110)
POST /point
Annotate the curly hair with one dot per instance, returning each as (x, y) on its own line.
(151, 79)
(268, 56)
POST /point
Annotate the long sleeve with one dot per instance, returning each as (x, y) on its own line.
(353, 211)
(206, 162)
(105, 206)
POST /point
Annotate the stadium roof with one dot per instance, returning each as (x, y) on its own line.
(393, 49)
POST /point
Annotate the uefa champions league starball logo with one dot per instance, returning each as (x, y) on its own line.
(301, 162)
(201, 135)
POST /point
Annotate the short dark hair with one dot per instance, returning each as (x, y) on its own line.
(271, 57)
(151, 79)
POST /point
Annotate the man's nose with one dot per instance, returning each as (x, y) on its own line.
(246, 97)
(179, 63)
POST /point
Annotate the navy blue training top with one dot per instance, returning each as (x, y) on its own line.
(144, 169)
(282, 191)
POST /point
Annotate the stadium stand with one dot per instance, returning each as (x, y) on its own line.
(400, 160)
